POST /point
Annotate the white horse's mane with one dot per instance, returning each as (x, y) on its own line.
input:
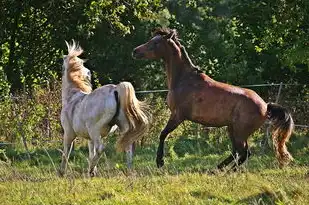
(74, 49)
(76, 76)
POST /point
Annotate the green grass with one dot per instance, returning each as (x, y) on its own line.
(268, 186)
(184, 179)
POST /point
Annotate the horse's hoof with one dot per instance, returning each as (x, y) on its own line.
(160, 163)
(91, 174)
(213, 171)
(60, 173)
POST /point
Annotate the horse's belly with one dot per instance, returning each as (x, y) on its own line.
(80, 129)
(210, 114)
(211, 122)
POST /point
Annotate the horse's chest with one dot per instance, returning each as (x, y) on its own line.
(171, 99)
(177, 99)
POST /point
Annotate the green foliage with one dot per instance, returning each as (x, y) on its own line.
(4, 83)
(236, 41)
(32, 118)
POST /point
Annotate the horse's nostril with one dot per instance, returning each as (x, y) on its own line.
(135, 53)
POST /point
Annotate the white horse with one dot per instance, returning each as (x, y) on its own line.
(92, 114)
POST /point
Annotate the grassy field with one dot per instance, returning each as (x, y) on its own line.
(184, 179)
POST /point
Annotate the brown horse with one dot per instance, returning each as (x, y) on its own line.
(194, 96)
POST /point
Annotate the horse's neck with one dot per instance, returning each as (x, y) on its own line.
(68, 91)
(176, 68)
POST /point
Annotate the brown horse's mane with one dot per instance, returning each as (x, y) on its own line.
(188, 59)
(165, 31)
(184, 53)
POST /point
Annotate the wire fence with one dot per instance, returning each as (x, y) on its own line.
(50, 106)
(244, 86)
(280, 85)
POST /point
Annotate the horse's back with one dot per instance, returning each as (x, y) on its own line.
(101, 102)
(88, 110)
(210, 102)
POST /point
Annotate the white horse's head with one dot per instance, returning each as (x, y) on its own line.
(74, 71)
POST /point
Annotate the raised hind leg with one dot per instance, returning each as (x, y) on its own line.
(68, 139)
(172, 123)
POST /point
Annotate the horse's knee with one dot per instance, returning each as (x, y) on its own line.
(99, 148)
(96, 142)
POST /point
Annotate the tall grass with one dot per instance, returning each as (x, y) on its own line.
(30, 124)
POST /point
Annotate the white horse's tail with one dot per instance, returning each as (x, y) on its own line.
(136, 112)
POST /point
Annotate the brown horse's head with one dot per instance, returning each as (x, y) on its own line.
(156, 47)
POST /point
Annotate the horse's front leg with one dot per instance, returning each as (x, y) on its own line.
(68, 139)
(172, 124)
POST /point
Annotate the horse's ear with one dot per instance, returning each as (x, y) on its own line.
(171, 35)
(66, 43)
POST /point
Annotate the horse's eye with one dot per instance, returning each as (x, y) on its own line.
(155, 44)
(151, 46)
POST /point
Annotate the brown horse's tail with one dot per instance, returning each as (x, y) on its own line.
(136, 113)
(283, 127)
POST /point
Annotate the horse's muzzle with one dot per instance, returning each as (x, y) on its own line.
(137, 54)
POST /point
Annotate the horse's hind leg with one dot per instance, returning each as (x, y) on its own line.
(91, 153)
(98, 150)
(239, 155)
(240, 134)
(129, 155)
(242, 154)
(97, 147)
(67, 145)
(225, 162)
(231, 157)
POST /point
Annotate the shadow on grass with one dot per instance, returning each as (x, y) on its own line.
(264, 198)
(210, 197)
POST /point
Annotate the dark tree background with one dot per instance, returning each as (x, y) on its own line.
(235, 41)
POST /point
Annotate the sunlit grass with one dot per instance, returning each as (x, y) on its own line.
(183, 180)
(288, 186)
